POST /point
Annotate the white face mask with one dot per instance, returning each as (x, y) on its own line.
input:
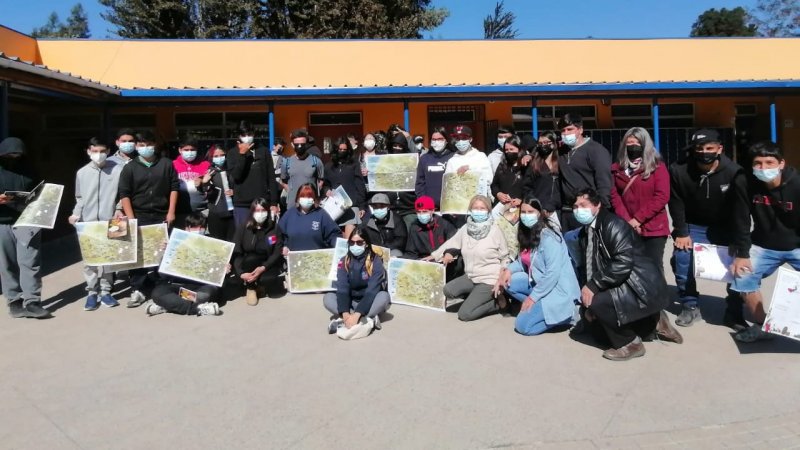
(260, 216)
(246, 139)
(189, 155)
(501, 141)
(438, 146)
(98, 158)
(369, 144)
(419, 147)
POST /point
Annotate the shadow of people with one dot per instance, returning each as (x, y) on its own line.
(777, 345)
(65, 297)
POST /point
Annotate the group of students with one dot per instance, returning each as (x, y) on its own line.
(591, 233)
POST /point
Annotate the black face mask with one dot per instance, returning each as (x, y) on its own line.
(634, 152)
(544, 150)
(511, 158)
(706, 158)
(342, 156)
(300, 149)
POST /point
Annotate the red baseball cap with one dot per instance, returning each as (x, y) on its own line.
(424, 202)
(461, 130)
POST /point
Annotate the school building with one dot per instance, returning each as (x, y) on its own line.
(55, 94)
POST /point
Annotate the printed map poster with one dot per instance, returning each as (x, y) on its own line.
(309, 271)
(196, 257)
(392, 173)
(417, 283)
(783, 317)
(712, 262)
(152, 243)
(337, 204)
(42, 212)
(510, 233)
(98, 250)
(458, 190)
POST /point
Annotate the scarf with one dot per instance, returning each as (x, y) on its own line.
(480, 230)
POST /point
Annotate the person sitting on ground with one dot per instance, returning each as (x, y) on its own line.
(360, 287)
(623, 290)
(305, 226)
(185, 297)
(257, 258)
(427, 233)
(384, 226)
(483, 247)
(538, 278)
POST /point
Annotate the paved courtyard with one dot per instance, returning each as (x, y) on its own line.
(271, 377)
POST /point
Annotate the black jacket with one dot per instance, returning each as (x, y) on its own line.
(253, 176)
(588, 166)
(148, 188)
(348, 176)
(543, 186)
(509, 180)
(622, 268)
(15, 175)
(264, 242)
(424, 239)
(775, 212)
(215, 194)
(704, 199)
(390, 232)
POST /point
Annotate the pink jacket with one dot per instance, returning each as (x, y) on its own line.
(190, 171)
(645, 200)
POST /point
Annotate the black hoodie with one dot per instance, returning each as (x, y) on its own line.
(775, 212)
(253, 176)
(15, 175)
(705, 199)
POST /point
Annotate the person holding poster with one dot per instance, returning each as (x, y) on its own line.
(20, 260)
(537, 277)
(469, 159)
(306, 226)
(430, 168)
(216, 185)
(190, 170)
(185, 297)
(360, 296)
(96, 186)
(703, 192)
(428, 232)
(772, 192)
(344, 170)
(507, 186)
(257, 257)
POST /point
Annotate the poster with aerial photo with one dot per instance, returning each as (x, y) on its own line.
(417, 283)
(392, 173)
(309, 271)
(42, 211)
(196, 257)
(98, 250)
(458, 190)
(783, 317)
(152, 243)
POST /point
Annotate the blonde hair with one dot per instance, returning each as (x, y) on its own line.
(650, 156)
(481, 198)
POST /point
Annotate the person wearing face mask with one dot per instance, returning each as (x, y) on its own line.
(306, 226)
(772, 192)
(623, 294)
(498, 155)
(419, 145)
(302, 167)
(251, 169)
(428, 231)
(536, 278)
(360, 296)
(20, 257)
(431, 166)
(583, 163)
(508, 183)
(384, 226)
(345, 171)
(126, 147)
(402, 203)
(257, 256)
(542, 178)
(190, 169)
(167, 292)
(219, 195)
(641, 191)
(703, 193)
(469, 159)
(96, 186)
(482, 246)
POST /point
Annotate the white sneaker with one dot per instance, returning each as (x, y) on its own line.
(208, 309)
(360, 330)
(137, 299)
(152, 309)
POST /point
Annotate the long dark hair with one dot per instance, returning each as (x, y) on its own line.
(251, 222)
(368, 251)
(538, 161)
(338, 158)
(529, 238)
(514, 141)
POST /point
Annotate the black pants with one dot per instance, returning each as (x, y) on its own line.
(654, 248)
(140, 279)
(620, 335)
(270, 280)
(220, 227)
(166, 295)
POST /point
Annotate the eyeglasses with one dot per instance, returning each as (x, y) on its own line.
(359, 243)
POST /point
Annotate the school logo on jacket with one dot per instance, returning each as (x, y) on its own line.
(315, 225)
(724, 187)
(271, 240)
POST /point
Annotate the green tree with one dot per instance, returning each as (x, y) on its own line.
(77, 26)
(157, 19)
(499, 25)
(724, 23)
(777, 18)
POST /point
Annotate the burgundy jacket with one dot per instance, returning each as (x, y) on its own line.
(645, 201)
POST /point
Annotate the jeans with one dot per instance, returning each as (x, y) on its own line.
(141, 279)
(531, 322)
(765, 262)
(380, 304)
(519, 286)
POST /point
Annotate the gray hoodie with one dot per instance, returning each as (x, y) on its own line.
(96, 191)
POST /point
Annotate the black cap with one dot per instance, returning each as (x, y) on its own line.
(704, 136)
(12, 145)
(461, 131)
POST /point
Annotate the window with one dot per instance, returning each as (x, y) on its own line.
(746, 110)
(676, 115)
(219, 125)
(452, 114)
(334, 119)
(549, 115)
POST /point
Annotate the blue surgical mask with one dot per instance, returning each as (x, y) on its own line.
(479, 216)
(424, 218)
(501, 142)
(529, 219)
(463, 145)
(127, 147)
(380, 213)
(766, 175)
(583, 215)
(147, 152)
(218, 160)
(306, 202)
(200, 231)
(357, 250)
(189, 156)
(569, 139)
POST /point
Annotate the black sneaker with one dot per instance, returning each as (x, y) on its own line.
(688, 316)
(32, 310)
(16, 310)
(734, 319)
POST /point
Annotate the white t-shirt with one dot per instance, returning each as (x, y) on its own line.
(477, 162)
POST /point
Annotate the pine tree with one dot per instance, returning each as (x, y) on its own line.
(77, 26)
(777, 18)
(155, 19)
(499, 25)
(723, 23)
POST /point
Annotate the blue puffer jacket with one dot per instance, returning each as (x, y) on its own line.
(354, 284)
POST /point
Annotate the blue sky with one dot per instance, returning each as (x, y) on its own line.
(536, 19)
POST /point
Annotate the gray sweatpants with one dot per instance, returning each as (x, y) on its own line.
(98, 276)
(20, 261)
(479, 301)
(379, 306)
